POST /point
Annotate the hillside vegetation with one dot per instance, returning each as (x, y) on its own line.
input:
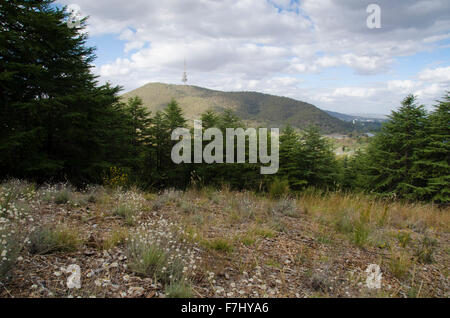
(217, 243)
(256, 108)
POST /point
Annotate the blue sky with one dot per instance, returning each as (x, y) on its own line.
(319, 51)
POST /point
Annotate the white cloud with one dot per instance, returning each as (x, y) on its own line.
(360, 92)
(440, 74)
(253, 45)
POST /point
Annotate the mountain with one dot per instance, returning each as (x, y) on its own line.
(254, 108)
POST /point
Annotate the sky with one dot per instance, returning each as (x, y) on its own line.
(317, 51)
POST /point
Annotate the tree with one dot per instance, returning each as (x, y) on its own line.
(433, 159)
(210, 119)
(53, 115)
(174, 116)
(317, 159)
(307, 160)
(392, 154)
(138, 125)
(289, 150)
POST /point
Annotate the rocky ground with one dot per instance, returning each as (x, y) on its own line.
(212, 243)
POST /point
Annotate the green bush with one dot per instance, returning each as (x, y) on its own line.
(278, 188)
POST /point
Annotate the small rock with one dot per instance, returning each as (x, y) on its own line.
(135, 291)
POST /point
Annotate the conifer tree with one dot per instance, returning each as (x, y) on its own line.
(393, 153)
(53, 115)
(435, 156)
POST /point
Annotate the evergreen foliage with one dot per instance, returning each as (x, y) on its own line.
(58, 124)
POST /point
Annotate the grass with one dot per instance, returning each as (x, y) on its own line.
(126, 212)
(400, 264)
(153, 261)
(392, 214)
(278, 188)
(426, 249)
(403, 238)
(49, 239)
(219, 244)
(242, 231)
(286, 206)
(9, 245)
(63, 196)
(118, 236)
(179, 290)
(360, 234)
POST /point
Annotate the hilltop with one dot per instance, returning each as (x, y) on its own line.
(252, 107)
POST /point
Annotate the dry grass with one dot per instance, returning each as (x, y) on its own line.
(378, 213)
(222, 243)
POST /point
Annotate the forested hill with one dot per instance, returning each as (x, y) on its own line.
(257, 108)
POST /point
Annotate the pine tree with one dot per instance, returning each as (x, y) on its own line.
(174, 116)
(52, 113)
(290, 148)
(317, 159)
(434, 157)
(393, 153)
(139, 122)
(210, 119)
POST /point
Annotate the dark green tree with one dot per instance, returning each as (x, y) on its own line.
(393, 153)
(433, 161)
(53, 115)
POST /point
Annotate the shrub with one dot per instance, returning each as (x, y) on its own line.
(48, 240)
(278, 188)
(116, 178)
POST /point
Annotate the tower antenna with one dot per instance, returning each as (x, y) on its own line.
(184, 78)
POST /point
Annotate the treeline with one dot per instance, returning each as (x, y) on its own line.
(58, 124)
(409, 158)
